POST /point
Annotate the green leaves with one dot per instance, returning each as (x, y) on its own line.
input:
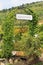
(8, 46)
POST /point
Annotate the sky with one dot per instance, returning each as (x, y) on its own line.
(5, 4)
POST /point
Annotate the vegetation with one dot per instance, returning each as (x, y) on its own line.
(39, 63)
(8, 46)
(36, 7)
(21, 35)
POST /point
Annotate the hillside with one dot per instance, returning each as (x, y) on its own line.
(36, 7)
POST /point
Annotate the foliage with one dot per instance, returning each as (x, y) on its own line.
(39, 32)
(33, 22)
(1, 54)
(27, 42)
(8, 46)
(8, 64)
(32, 46)
(33, 43)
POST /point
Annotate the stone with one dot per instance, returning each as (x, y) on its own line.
(16, 61)
(2, 63)
(41, 57)
(11, 61)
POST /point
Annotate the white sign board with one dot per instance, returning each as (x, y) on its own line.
(24, 17)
